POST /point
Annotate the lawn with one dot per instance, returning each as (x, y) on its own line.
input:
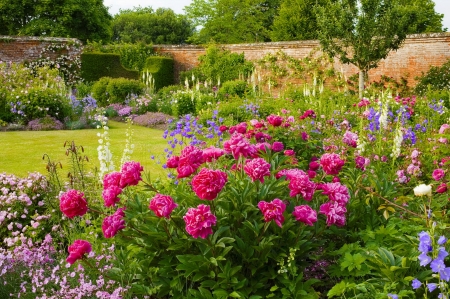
(24, 150)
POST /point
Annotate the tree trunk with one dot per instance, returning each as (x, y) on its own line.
(361, 83)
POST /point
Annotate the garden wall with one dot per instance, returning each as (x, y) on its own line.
(418, 52)
(29, 48)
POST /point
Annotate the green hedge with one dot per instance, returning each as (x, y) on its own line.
(97, 65)
(115, 90)
(161, 69)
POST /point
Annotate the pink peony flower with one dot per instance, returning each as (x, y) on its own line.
(364, 102)
(199, 221)
(438, 174)
(305, 214)
(263, 147)
(311, 174)
(334, 212)
(162, 205)
(77, 250)
(212, 153)
(277, 146)
(350, 138)
(273, 210)
(112, 179)
(241, 128)
(308, 113)
(275, 120)
(443, 128)
(190, 159)
(314, 165)
(331, 163)
(112, 224)
(261, 137)
(257, 169)
(290, 173)
(336, 192)
(300, 184)
(305, 136)
(361, 162)
(208, 183)
(172, 162)
(223, 128)
(289, 153)
(131, 174)
(110, 195)
(238, 145)
(442, 188)
(72, 203)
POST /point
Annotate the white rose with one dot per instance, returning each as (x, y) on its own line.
(422, 190)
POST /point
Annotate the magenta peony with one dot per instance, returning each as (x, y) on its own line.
(350, 138)
(208, 183)
(301, 184)
(331, 163)
(131, 174)
(277, 146)
(172, 162)
(212, 153)
(257, 169)
(72, 203)
(289, 153)
(238, 145)
(112, 179)
(273, 210)
(190, 160)
(112, 224)
(308, 113)
(110, 195)
(199, 221)
(275, 120)
(438, 174)
(77, 250)
(305, 214)
(162, 205)
(241, 128)
(442, 188)
(336, 192)
(334, 212)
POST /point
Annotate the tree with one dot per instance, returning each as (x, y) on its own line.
(145, 25)
(295, 21)
(82, 19)
(421, 16)
(361, 32)
(232, 21)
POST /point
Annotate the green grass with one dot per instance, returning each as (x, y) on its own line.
(22, 151)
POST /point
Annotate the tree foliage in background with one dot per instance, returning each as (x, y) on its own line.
(361, 32)
(82, 19)
(161, 26)
(421, 16)
(232, 21)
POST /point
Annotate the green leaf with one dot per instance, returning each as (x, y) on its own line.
(337, 290)
(274, 288)
(235, 295)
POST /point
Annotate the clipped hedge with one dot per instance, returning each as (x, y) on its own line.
(161, 69)
(97, 65)
(115, 90)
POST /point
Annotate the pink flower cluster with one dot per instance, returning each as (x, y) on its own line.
(162, 205)
(257, 169)
(273, 210)
(199, 221)
(208, 183)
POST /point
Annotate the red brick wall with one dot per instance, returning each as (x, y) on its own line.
(418, 52)
(28, 48)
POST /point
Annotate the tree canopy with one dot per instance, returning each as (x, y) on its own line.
(83, 19)
(146, 25)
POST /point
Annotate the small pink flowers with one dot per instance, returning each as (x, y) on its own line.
(131, 174)
(208, 183)
(199, 221)
(72, 203)
(331, 163)
(438, 174)
(77, 250)
(257, 169)
(112, 224)
(305, 214)
(273, 210)
(162, 205)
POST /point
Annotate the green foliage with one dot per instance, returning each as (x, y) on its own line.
(115, 90)
(161, 69)
(233, 88)
(421, 15)
(144, 25)
(97, 65)
(82, 19)
(219, 65)
(436, 79)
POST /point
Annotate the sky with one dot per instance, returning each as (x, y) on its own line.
(442, 6)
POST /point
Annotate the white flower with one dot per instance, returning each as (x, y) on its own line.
(422, 190)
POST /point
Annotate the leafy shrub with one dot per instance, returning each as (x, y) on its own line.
(115, 90)
(185, 103)
(161, 69)
(437, 78)
(232, 88)
(97, 65)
